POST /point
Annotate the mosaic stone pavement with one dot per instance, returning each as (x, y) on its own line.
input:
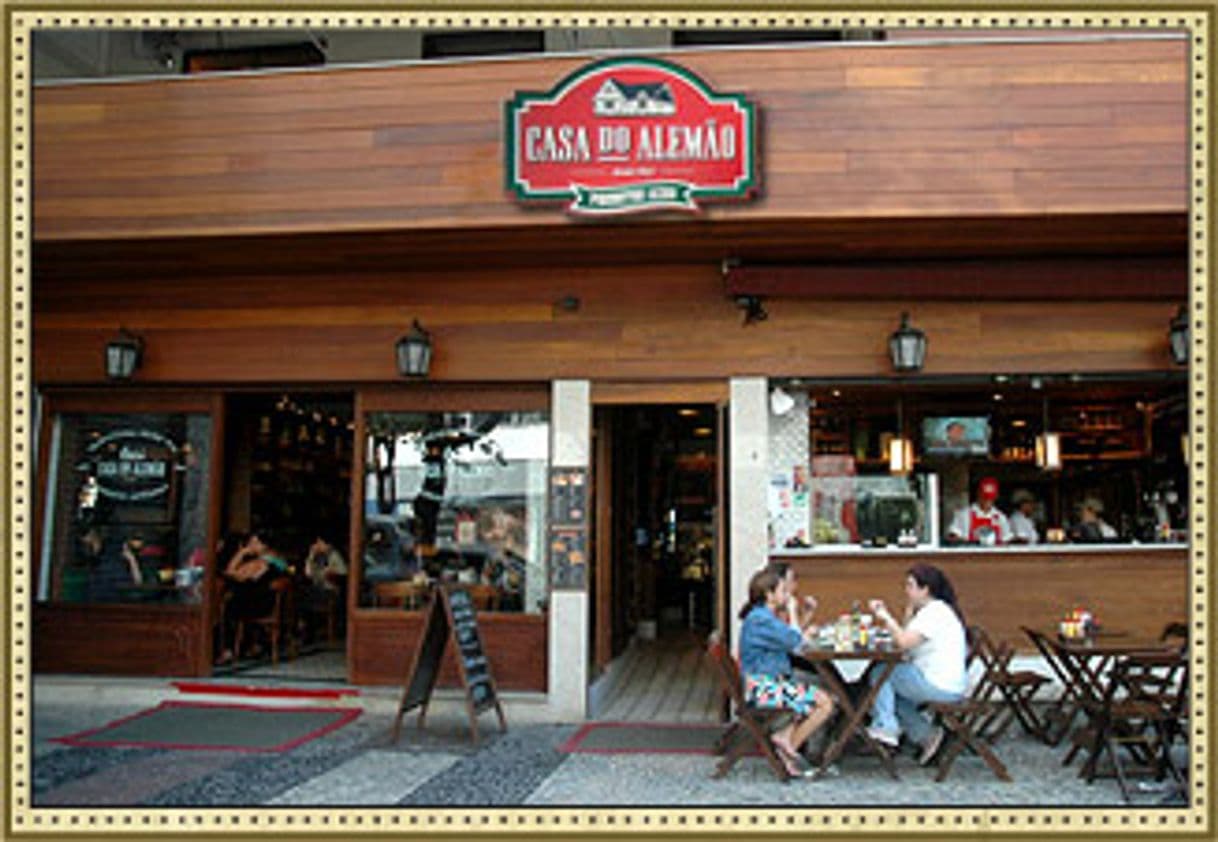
(358, 765)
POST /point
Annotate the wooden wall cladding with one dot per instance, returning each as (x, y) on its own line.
(641, 323)
(1134, 592)
(381, 644)
(119, 640)
(856, 131)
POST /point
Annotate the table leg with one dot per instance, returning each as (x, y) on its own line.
(854, 715)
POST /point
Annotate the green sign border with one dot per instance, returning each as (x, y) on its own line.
(511, 109)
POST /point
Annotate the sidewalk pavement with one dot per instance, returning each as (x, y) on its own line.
(357, 765)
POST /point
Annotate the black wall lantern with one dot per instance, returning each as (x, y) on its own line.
(414, 352)
(907, 347)
(123, 355)
(1178, 335)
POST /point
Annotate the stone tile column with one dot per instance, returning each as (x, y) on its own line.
(569, 630)
(747, 449)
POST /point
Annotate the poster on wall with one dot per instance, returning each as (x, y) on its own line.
(568, 527)
(789, 507)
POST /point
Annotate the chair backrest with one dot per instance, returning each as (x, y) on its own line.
(728, 669)
(282, 587)
(994, 660)
(484, 597)
(392, 593)
(975, 639)
(1158, 677)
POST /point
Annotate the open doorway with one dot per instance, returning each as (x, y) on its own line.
(287, 479)
(659, 560)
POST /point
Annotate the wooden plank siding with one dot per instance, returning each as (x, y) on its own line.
(381, 643)
(1131, 592)
(649, 323)
(847, 132)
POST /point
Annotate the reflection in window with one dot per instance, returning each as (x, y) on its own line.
(127, 508)
(455, 497)
(825, 488)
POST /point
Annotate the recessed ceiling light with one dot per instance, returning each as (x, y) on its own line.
(837, 393)
(702, 432)
(1019, 422)
(997, 396)
(688, 413)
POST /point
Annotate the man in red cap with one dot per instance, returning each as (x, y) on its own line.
(981, 523)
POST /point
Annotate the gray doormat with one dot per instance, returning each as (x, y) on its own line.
(212, 726)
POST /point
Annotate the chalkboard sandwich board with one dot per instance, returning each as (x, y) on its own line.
(450, 615)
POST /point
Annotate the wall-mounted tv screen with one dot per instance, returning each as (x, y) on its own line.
(956, 435)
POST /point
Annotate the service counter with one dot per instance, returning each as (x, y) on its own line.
(1133, 587)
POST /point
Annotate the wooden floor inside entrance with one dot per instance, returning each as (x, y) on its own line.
(665, 680)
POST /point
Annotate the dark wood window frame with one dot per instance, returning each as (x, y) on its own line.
(191, 622)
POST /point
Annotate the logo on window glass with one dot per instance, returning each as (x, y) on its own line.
(131, 465)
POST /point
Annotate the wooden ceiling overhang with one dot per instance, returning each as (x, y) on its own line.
(874, 153)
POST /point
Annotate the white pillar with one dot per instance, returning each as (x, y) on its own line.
(749, 516)
(568, 638)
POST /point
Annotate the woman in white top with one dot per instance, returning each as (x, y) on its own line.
(933, 638)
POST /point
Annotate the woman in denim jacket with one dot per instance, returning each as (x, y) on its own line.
(765, 665)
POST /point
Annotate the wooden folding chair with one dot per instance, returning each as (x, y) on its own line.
(966, 720)
(751, 726)
(1140, 713)
(1017, 688)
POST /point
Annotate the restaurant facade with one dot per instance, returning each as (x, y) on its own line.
(597, 336)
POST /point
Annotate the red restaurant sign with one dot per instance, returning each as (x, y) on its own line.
(630, 134)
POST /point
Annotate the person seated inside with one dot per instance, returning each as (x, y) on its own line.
(248, 576)
(933, 636)
(1091, 527)
(982, 522)
(766, 643)
(325, 577)
(1023, 527)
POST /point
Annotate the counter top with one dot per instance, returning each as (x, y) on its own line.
(838, 550)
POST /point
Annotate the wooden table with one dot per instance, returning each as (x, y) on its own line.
(1082, 666)
(821, 661)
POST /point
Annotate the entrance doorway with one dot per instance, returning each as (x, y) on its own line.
(287, 478)
(659, 567)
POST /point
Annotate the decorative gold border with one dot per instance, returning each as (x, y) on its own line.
(21, 18)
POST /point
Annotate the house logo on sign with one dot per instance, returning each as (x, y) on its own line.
(627, 135)
(617, 99)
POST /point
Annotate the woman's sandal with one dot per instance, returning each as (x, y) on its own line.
(792, 761)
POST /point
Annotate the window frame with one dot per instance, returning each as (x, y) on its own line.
(490, 397)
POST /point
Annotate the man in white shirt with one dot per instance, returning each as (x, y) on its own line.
(1023, 528)
(981, 522)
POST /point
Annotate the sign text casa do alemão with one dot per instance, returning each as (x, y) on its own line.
(630, 134)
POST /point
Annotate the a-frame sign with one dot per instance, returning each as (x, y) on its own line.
(450, 615)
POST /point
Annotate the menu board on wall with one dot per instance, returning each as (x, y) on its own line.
(568, 527)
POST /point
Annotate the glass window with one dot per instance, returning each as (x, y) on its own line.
(1019, 459)
(127, 508)
(457, 497)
